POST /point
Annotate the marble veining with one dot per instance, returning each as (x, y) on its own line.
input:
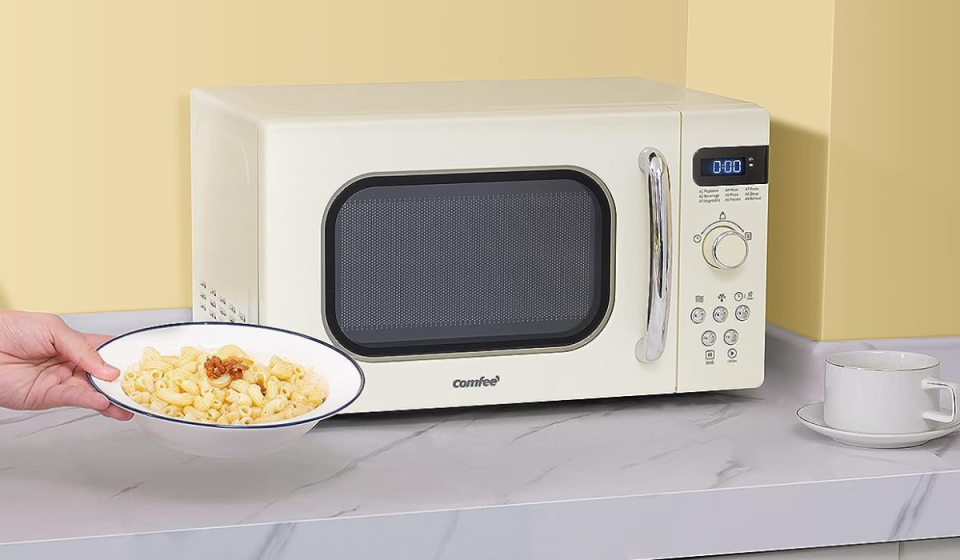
(448, 533)
(724, 412)
(732, 469)
(27, 416)
(64, 423)
(538, 429)
(344, 470)
(275, 541)
(908, 513)
(611, 479)
(345, 512)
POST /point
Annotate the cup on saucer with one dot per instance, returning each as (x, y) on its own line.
(882, 399)
(886, 392)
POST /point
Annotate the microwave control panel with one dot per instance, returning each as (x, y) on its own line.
(721, 243)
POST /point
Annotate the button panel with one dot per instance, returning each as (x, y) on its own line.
(708, 338)
(719, 225)
(698, 315)
(720, 314)
(731, 337)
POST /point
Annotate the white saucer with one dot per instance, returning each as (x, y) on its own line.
(811, 416)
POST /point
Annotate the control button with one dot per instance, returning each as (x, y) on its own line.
(709, 355)
(243, 318)
(724, 248)
(720, 314)
(213, 304)
(203, 307)
(731, 337)
(738, 296)
(203, 295)
(732, 353)
(698, 315)
(708, 338)
(213, 293)
(743, 313)
(203, 284)
(232, 309)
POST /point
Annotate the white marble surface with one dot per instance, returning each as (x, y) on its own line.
(653, 477)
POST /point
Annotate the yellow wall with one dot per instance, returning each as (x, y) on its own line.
(865, 133)
(892, 261)
(778, 54)
(94, 145)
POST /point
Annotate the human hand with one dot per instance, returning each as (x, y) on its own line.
(43, 364)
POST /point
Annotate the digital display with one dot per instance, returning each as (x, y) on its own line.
(728, 166)
(721, 167)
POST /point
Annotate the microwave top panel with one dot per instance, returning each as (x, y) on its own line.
(444, 98)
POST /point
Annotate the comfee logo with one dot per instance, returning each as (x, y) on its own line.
(479, 382)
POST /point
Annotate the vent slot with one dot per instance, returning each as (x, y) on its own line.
(211, 305)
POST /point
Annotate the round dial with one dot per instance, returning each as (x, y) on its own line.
(724, 247)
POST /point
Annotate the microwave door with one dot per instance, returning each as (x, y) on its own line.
(481, 261)
(515, 246)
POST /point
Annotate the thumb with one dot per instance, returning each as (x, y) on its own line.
(76, 348)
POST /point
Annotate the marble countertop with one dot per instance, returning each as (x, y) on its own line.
(652, 477)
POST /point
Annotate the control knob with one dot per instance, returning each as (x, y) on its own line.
(724, 247)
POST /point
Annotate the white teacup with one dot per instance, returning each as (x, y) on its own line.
(885, 392)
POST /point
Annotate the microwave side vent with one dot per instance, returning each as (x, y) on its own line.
(224, 185)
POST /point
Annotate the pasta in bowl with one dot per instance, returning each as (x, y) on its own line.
(225, 389)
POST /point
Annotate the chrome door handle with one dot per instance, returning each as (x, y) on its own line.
(651, 344)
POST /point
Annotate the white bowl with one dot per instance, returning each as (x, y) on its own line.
(342, 375)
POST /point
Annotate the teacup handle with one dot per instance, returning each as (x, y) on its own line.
(954, 388)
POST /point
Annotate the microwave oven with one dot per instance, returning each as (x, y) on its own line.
(490, 242)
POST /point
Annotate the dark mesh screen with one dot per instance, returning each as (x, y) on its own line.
(467, 262)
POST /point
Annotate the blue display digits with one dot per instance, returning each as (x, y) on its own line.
(727, 166)
(724, 166)
(719, 166)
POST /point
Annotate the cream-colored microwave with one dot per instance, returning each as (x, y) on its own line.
(490, 242)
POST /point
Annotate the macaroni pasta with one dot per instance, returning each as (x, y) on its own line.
(225, 387)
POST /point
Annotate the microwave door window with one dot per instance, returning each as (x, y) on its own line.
(467, 262)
